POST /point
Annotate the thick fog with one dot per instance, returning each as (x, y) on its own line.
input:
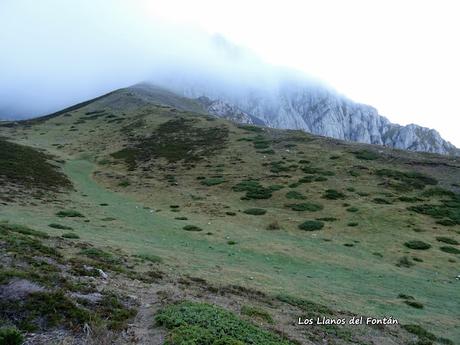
(55, 54)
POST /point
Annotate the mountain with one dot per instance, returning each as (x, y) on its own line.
(137, 218)
(296, 103)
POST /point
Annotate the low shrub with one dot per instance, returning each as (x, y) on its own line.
(414, 304)
(332, 194)
(366, 155)
(352, 209)
(327, 219)
(447, 240)
(418, 245)
(256, 312)
(450, 250)
(150, 257)
(200, 323)
(311, 225)
(405, 262)
(382, 201)
(70, 235)
(124, 183)
(69, 213)
(352, 224)
(255, 211)
(273, 226)
(60, 226)
(306, 206)
(10, 336)
(213, 181)
(192, 228)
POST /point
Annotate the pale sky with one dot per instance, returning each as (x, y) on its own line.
(402, 57)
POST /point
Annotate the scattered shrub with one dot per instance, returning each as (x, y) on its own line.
(200, 323)
(352, 209)
(332, 194)
(10, 336)
(181, 218)
(450, 250)
(352, 224)
(69, 213)
(307, 206)
(255, 211)
(192, 228)
(447, 240)
(70, 235)
(419, 331)
(406, 181)
(253, 189)
(418, 245)
(256, 313)
(366, 155)
(124, 183)
(273, 226)
(381, 201)
(311, 225)
(151, 258)
(213, 181)
(327, 219)
(405, 262)
(414, 304)
(230, 213)
(60, 227)
(231, 243)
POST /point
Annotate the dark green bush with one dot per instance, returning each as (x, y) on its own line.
(306, 206)
(10, 336)
(213, 181)
(256, 312)
(192, 228)
(253, 189)
(200, 323)
(414, 304)
(353, 224)
(70, 235)
(405, 262)
(447, 240)
(352, 209)
(311, 225)
(59, 226)
(255, 211)
(418, 245)
(295, 195)
(382, 201)
(450, 250)
(69, 213)
(366, 155)
(332, 194)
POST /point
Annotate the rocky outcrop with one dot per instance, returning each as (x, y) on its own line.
(315, 109)
(228, 111)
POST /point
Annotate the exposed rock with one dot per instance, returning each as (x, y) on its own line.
(296, 103)
(228, 111)
(18, 289)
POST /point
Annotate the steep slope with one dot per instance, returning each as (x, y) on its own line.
(316, 226)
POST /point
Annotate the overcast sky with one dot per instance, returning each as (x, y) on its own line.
(401, 57)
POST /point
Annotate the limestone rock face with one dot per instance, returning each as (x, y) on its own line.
(228, 111)
(314, 109)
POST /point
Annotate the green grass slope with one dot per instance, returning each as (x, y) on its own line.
(351, 226)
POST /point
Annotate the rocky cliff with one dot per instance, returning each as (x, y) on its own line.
(315, 109)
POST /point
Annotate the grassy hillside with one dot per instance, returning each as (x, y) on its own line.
(353, 227)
